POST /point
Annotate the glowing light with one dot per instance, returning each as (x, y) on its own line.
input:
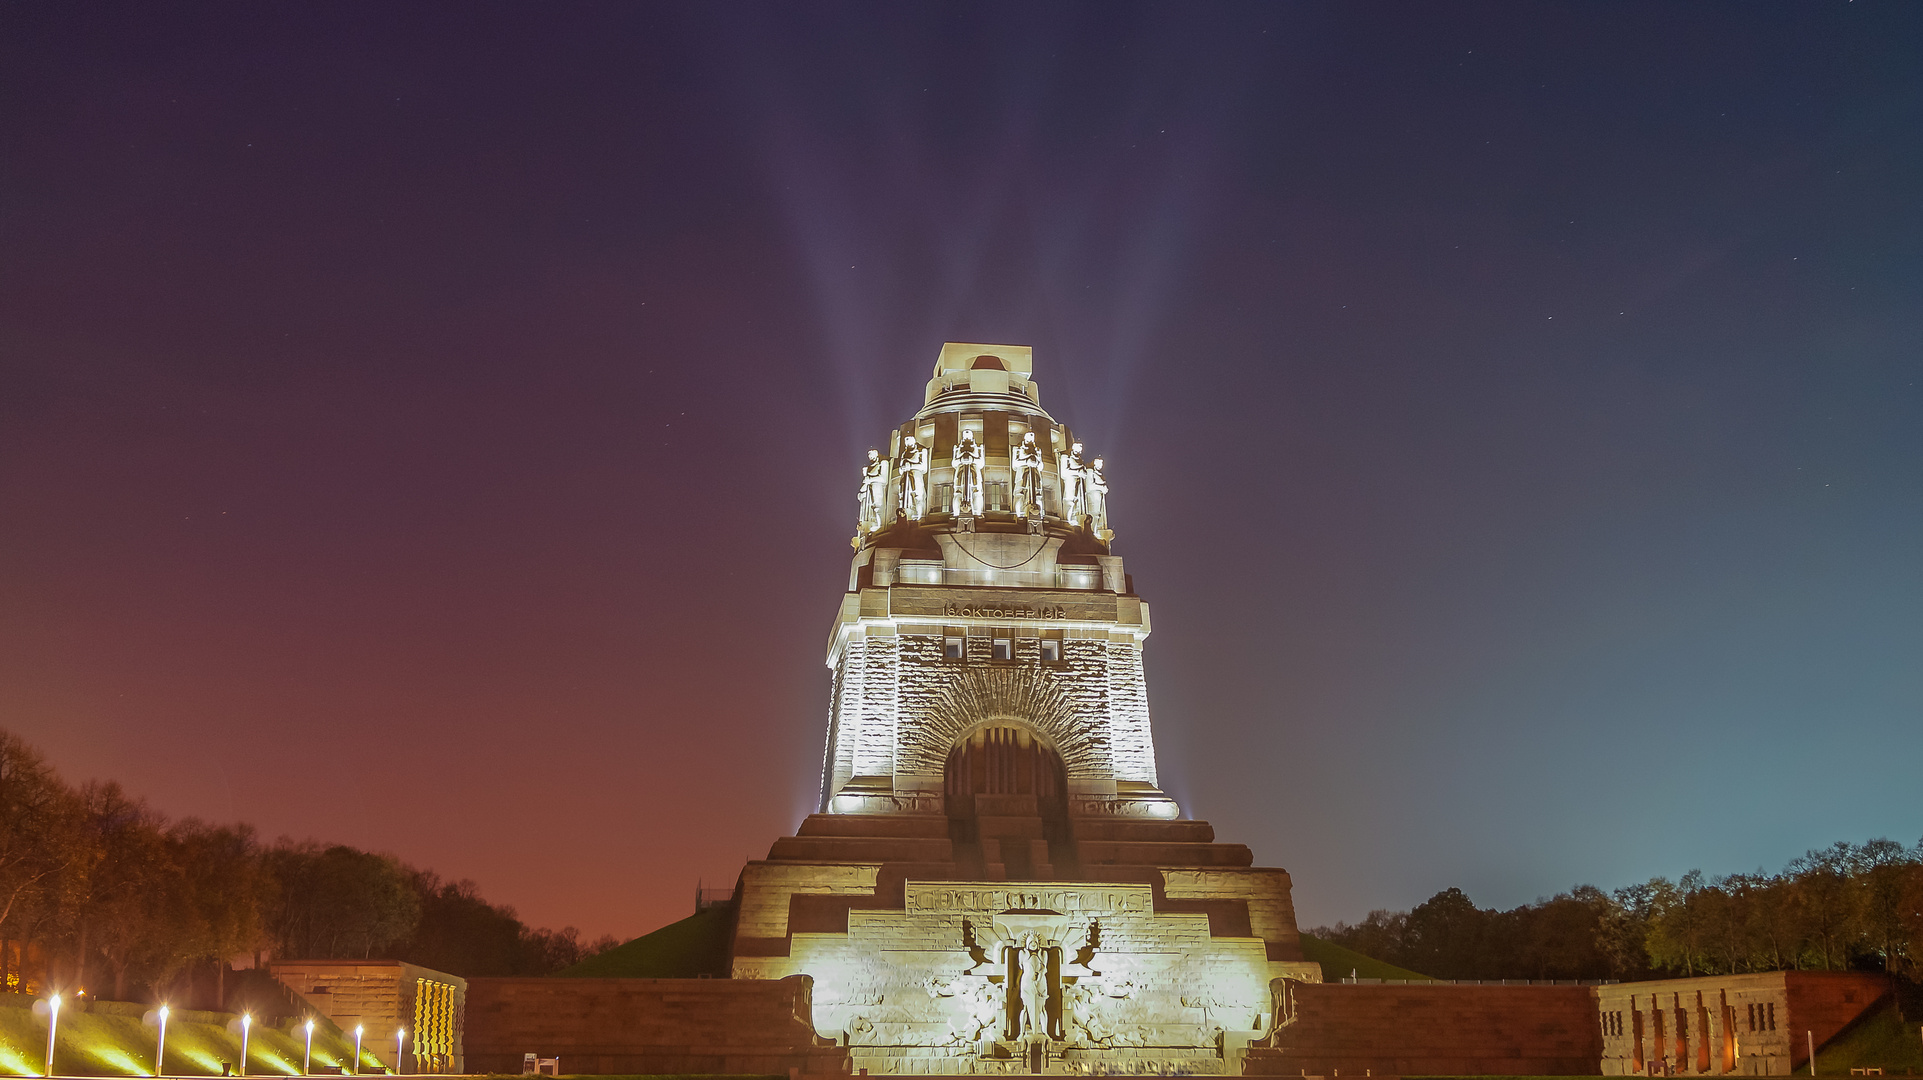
(357, 1049)
(307, 1061)
(160, 1049)
(246, 1029)
(400, 1034)
(53, 1027)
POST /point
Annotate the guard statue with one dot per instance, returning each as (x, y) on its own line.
(912, 469)
(1027, 462)
(874, 492)
(968, 477)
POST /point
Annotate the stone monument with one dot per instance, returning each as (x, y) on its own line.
(994, 882)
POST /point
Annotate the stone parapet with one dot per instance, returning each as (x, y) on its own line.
(649, 1026)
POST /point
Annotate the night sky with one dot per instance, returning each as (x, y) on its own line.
(435, 428)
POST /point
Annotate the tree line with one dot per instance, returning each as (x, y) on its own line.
(96, 885)
(1847, 906)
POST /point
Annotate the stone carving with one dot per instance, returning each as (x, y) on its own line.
(1034, 986)
(1021, 694)
(937, 898)
(1026, 461)
(874, 492)
(968, 477)
(1074, 473)
(912, 469)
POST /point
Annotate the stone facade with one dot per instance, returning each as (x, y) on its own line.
(649, 1026)
(1434, 1029)
(995, 882)
(1747, 1025)
(382, 996)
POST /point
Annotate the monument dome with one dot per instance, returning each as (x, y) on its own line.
(994, 881)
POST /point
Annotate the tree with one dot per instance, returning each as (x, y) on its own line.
(39, 834)
(225, 892)
(336, 902)
(131, 910)
(1883, 872)
(1825, 898)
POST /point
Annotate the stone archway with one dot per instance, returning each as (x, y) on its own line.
(1005, 790)
(1021, 697)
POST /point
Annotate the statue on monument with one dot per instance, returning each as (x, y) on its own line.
(1027, 462)
(874, 492)
(968, 477)
(1074, 485)
(912, 468)
(1097, 498)
(1034, 988)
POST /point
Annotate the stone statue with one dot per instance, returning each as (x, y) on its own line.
(874, 492)
(1034, 987)
(1074, 484)
(1097, 497)
(1027, 463)
(968, 477)
(912, 469)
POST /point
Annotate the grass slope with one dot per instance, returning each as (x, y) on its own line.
(1881, 1039)
(1337, 962)
(693, 947)
(111, 1038)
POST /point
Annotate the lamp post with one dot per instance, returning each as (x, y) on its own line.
(307, 1058)
(400, 1034)
(357, 1048)
(53, 1026)
(246, 1028)
(160, 1048)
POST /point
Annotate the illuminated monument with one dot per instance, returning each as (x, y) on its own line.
(994, 882)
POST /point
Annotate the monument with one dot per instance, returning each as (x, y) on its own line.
(994, 882)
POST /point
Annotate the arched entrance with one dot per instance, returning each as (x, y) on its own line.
(1007, 799)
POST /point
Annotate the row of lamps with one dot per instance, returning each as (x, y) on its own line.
(246, 1029)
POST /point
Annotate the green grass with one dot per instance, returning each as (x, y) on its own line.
(1879, 1039)
(111, 1038)
(695, 946)
(1337, 962)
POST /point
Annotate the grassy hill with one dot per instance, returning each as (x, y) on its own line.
(111, 1038)
(689, 949)
(1338, 962)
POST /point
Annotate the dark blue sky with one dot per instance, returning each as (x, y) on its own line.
(434, 427)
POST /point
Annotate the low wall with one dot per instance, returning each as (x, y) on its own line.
(1430, 1030)
(648, 1026)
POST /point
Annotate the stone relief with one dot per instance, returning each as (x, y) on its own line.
(968, 477)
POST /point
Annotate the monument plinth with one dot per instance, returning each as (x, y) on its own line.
(994, 882)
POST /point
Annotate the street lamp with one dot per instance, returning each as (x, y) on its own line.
(357, 1048)
(307, 1059)
(400, 1034)
(246, 1028)
(53, 1025)
(160, 1049)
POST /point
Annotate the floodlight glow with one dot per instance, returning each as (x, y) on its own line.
(53, 1026)
(160, 1049)
(307, 1059)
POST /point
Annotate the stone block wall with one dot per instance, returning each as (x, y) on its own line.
(1747, 1025)
(1441, 1029)
(382, 995)
(644, 1026)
